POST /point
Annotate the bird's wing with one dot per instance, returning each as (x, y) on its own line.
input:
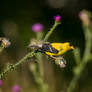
(48, 48)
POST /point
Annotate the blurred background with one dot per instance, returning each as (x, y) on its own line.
(16, 20)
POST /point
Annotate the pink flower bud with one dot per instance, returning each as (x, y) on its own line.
(16, 88)
(37, 27)
(57, 18)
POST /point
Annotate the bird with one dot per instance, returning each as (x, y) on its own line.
(53, 49)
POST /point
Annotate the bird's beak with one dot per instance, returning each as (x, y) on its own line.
(72, 47)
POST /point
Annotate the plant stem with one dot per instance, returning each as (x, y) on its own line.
(38, 74)
(87, 53)
(51, 31)
(39, 77)
(10, 67)
(76, 77)
(1, 49)
(87, 33)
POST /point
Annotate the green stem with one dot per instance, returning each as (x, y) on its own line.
(77, 56)
(87, 53)
(51, 31)
(11, 66)
(87, 33)
(76, 77)
(39, 56)
(38, 75)
(1, 48)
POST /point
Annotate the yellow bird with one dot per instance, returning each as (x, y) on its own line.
(58, 49)
(53, 49)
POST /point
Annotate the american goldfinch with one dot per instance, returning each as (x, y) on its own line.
(53, 49)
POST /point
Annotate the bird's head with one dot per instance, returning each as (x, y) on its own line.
(67, 46)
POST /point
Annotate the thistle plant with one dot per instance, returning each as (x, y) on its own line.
(38, 73)
(11, 67)
(87, 55)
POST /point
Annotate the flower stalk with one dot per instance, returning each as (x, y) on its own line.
(51, 31)
(82, 62)
(11, 67)
(38, 75)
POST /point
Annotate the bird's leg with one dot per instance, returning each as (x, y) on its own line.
(56, 58)
(53, 57)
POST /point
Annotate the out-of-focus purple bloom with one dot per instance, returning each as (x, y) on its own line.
(37, 27)
(57, 18)
(16, 88)
(1, 82)
(83, 15)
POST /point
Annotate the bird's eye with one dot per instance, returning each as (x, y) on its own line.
(71, 44)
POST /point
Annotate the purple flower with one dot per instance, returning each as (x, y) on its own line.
(1, 82)
(57, 18)
(37, 27)
(83, 15)
(16, 88)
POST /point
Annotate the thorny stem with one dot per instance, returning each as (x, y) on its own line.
(51, 31)
(10, 67)
(39, 77)
(29, 55)
(87, 54)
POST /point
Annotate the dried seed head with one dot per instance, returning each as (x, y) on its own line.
(62, 64)
(5, 42)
